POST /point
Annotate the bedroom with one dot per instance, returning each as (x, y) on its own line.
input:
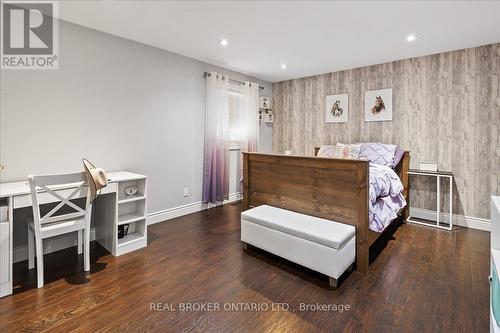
(259, 166)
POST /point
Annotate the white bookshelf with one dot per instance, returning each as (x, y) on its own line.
(128, 210)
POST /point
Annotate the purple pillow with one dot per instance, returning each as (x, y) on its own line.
(378, 153)
(397, 157)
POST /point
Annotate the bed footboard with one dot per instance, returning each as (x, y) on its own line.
(334, 189)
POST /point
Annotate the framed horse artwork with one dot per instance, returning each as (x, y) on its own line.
(337, 108)
(378, 105)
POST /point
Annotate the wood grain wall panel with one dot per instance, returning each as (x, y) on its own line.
(446, 108)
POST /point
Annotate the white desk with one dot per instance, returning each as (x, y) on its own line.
(111, 209)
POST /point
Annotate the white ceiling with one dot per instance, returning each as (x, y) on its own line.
(312, 37)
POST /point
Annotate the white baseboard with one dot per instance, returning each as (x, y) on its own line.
(20, 253)
(461, 220)
(194, 207)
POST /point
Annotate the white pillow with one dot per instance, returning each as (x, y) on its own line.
(354, 150)
(326, 151)
(343, 150)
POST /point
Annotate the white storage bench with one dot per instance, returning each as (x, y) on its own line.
(322, 245)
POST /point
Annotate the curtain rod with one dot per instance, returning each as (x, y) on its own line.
(205, 74)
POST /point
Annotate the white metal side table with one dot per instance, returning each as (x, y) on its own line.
(438, 175)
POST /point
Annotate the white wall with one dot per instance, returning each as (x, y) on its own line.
(121, 104)
(265, 133)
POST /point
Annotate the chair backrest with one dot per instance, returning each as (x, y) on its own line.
(57, 186)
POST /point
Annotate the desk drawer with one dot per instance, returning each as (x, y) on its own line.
(43, 198)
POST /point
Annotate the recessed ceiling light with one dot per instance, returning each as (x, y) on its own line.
(284, 66)
(224, 42)
(411, 38)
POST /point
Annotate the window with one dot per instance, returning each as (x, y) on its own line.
(235, 106)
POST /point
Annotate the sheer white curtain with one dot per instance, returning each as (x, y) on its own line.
(216, 150)
(249, 122)
(250, 118)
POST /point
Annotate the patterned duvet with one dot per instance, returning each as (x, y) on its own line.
(386, 198)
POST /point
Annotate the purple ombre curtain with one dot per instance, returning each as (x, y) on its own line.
(216, 153)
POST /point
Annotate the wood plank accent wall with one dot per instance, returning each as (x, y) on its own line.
(446, 108)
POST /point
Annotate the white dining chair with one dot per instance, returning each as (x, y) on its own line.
(52, 224)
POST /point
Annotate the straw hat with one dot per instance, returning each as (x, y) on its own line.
(96, 177)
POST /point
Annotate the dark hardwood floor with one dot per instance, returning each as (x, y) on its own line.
(425, 280)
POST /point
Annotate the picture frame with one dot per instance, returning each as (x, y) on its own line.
(378, 105)
(337, 108)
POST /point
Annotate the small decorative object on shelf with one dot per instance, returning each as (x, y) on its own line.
(122, 230)
(428, 166)
(264, 103)
(130, 190)
(269, 118)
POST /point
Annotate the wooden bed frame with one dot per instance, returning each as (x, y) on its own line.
(330, 188)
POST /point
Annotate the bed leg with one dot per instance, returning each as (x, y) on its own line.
(362, 258)
(333, 282)
(244, 245)
(405, 214)
(350, 268)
